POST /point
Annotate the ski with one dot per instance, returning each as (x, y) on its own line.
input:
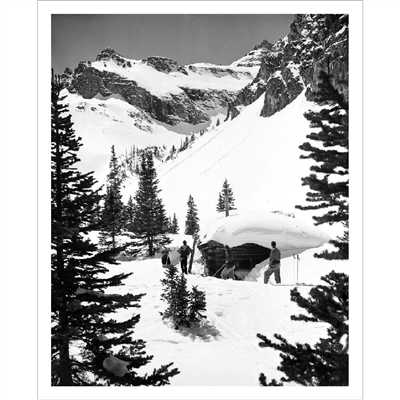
(291, 284)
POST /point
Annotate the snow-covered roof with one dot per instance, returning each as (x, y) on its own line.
(292, 236)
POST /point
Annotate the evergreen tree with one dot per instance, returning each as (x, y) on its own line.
(150, 222)
(226, 191)
(181, 315)
(172, 153)
(80, 309)
(114, 176)
(174, 225)
(177, 297)
(329, 182)
(325, 364)
(113, 210)
(183, 307)
(169, 289)
(197, 304)
(129, 214)
(192, 220)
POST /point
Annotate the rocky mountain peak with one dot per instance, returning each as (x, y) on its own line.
(109, 54)
(315, 42)
(264, 45)
(164, 64)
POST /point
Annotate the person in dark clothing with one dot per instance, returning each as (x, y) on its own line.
(165, 260)
(274, 264)
(229, 270)
(184, 252)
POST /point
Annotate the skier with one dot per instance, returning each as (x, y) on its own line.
(274, 264)
(165, 260)
(229, 266)
(184, 251)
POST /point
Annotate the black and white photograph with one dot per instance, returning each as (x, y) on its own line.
(199, 200)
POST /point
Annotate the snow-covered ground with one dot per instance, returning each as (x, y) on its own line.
(224, 350)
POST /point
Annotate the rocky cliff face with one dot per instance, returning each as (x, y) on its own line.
(88, 82)
(255, 56)
(285, 69)
(314, 42)
(189, 105)
(165, 65)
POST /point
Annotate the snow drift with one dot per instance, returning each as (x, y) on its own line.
(292, 235)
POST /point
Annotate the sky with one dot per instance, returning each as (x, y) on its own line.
(187, 39)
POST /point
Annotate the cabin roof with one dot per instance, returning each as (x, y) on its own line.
(291, 235)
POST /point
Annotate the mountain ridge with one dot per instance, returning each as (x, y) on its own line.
(250, 137)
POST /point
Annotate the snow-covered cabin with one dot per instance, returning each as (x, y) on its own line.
(249, 233)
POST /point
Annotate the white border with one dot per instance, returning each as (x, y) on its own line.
(45, 9)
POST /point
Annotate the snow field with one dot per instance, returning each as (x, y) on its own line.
(258, 156)
(224, 350)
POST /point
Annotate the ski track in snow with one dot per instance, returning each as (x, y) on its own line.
(191, 153)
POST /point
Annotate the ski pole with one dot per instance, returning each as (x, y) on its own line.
(219, 270)
(294, 267)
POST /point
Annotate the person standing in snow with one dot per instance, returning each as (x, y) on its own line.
(229, 266)
(165, 260)
(184, 251)
(274, 264)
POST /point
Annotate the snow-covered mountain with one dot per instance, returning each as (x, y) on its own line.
(249, 113)
(251, 118)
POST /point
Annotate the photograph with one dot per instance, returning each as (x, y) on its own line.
(195, 200)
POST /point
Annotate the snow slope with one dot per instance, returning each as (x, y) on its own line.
(200, 76)
(259, 157)
(224, 351)
(103, 122)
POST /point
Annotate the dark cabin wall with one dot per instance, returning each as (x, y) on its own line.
(247, 256)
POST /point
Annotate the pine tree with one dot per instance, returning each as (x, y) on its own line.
(325, 364)
(150, 222)
(129, 213)
(169, 284)
(177, 297)
(192, 220)
(114, 176)
(329, 182)
(113, 210)
(181, 317)
(183, 307)
(174, 225)
(197, 304)
(80, 308)
(226, 191)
